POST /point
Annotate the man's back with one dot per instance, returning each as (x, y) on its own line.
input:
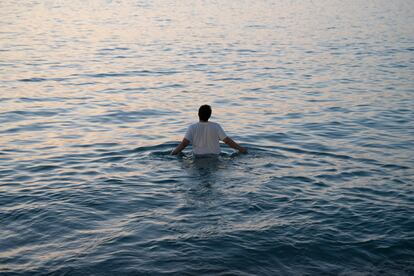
(205, 137)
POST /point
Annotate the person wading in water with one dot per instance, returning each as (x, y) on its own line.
(205, 136)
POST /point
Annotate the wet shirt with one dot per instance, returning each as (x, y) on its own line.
(205, 137)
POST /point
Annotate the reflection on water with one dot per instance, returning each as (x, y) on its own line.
(202, 187)
(95, 94)
(205, 166)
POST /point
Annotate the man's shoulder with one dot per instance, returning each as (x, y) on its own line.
(214, 124)
(209, 124)
(192, 126)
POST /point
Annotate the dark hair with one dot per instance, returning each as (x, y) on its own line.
(204, 112)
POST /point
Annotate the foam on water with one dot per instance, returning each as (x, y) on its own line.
(95, 95)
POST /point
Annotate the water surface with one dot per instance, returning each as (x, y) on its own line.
(95, 94)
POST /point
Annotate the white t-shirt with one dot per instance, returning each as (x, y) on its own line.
(205, 136)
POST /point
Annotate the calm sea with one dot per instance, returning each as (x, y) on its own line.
(95, 94)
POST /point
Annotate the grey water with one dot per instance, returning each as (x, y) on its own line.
(95, 94)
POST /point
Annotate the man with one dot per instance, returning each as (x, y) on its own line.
(205, 136)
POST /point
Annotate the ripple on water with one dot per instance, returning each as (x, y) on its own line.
(120, 116)
(89, 118)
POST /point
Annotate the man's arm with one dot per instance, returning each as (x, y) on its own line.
(234, 145)
(180, 147)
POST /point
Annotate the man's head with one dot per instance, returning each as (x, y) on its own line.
(204, 112)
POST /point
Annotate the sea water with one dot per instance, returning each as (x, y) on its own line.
(95, 94)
